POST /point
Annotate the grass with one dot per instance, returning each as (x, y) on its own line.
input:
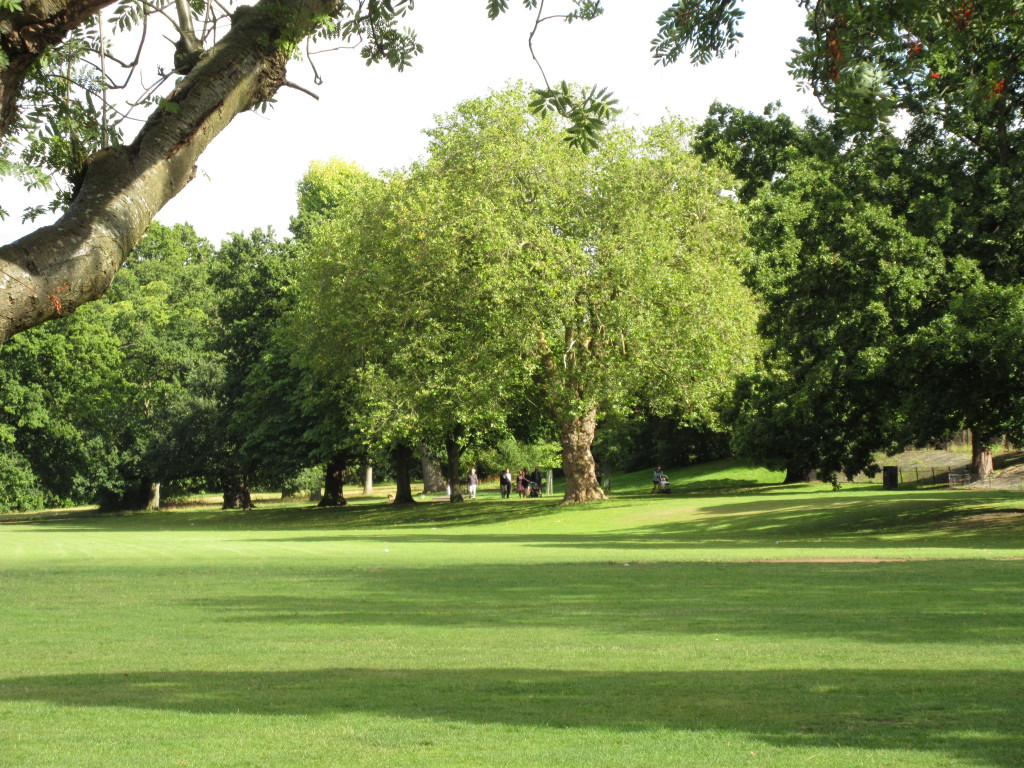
(731, 624)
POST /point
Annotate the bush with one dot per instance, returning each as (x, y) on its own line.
(19, 487)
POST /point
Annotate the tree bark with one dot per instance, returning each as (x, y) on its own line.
(433, 479)
(798, 475)
(334, 483)
(26, 35)
(235, 488)
(981, 456)
(576, 436)
(403, 459)
(453, 451)
(150, 492)
(57, 268)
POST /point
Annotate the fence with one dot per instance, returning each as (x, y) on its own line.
(952, 477)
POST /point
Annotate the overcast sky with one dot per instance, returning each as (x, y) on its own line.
(375, 116)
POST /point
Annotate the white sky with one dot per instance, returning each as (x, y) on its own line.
(375, 116)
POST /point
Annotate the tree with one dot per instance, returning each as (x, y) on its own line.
(413, 367)
(259, 423)
(121, 397)
(508, 255)
(60, 386)
(55, 105)
(844, 281)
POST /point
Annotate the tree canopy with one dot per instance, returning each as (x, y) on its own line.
(60, 115)
(507, 257)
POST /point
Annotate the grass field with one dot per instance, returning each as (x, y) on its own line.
(729, 624)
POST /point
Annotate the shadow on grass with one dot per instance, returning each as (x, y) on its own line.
(971, 603)
(973, 715)
(739, 517)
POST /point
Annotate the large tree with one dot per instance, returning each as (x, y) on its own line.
(509, 254)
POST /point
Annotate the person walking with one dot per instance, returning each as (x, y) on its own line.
(522, 483)
(505, 484)
(473, 481)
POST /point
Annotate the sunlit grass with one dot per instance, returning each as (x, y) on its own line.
(732, 623)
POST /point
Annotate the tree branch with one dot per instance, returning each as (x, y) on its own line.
(55, 269)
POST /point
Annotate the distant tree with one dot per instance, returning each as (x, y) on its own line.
(162, 310)
(61, 386)
(120, 398)
(252, 276)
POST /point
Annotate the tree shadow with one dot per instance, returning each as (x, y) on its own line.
(970, 603)
(971, 715)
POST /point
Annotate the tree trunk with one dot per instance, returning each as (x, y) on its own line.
(403, 458)
(433, 479)
(236, 492)
(150, 494)
(798, 475)
(52, 271)
(368, 480)
(981, 456)
(581, 483)
(334, 483)
(453, 452)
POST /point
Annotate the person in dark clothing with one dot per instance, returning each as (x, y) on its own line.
(535, 482)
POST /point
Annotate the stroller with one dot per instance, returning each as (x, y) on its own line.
(535, 492)
(662, 485)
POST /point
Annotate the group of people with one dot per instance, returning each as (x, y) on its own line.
(526, 484)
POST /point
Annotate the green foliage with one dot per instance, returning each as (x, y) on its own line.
(19, 487)
(508, 258)
(60, 388)
(587, 113)
(707, 28)
(511, 454)
(972, 357)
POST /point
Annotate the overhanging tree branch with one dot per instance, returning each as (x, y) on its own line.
(55, 269)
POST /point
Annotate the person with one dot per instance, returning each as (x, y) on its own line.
(661, 484)
(472, 483)
(521, 483)
(506, 484)
(535, 482)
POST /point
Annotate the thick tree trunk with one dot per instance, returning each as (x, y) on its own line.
(236, 492)
(403, 459)
(453, 451)
(150, 492)
(981, 456)
(433, 478)
(334, 483)
(798, 475)
(57, 268)
(581, 483)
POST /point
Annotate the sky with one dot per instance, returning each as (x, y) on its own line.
(375, 116)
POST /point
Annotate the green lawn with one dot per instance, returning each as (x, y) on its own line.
(730, 624)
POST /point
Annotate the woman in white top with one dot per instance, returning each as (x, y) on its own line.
(472, 483)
